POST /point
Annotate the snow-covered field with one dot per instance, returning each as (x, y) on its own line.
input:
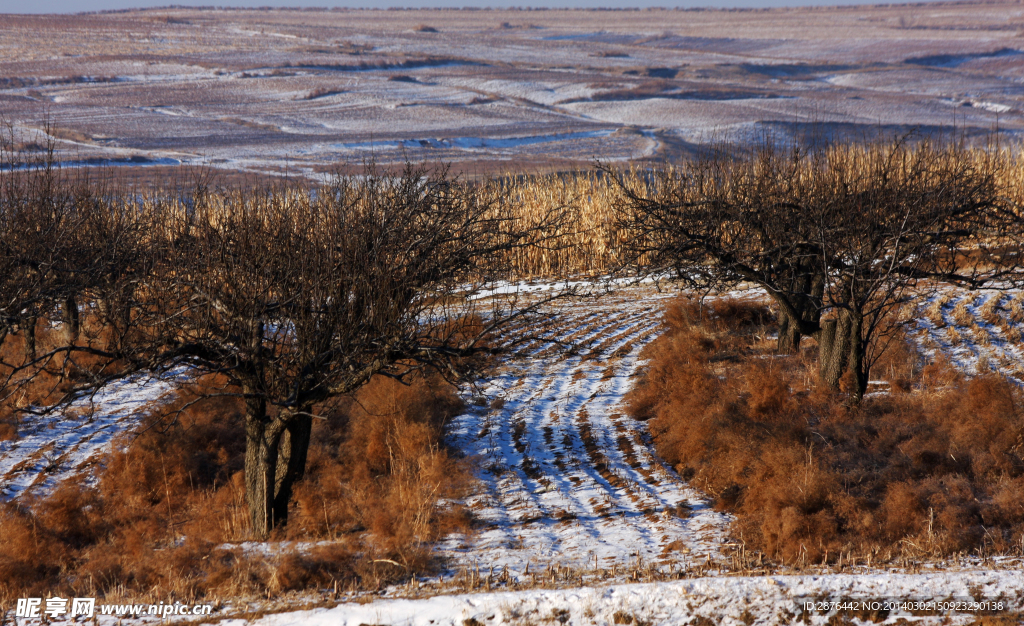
(573, 504)
(580, 521)
(977, 331)
(858, 599)
(302, 91)
(66, 445)
(568, 480)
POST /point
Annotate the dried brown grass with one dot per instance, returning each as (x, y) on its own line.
(378, 464)
(1017, 309)
(953, 336)
(169, 504)
(962, 314)
(591, 239)
(51, 380)
(990, 310)
(586, 242)
(934, 468)
(151, 523)
(322, 92)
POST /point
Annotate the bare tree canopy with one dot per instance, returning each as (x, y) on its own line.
(837, 236)
(66, 240)
(294, 296)
(299, 297)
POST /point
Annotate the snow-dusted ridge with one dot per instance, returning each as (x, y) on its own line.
(977, 331)
(64, 445)
(728, 601)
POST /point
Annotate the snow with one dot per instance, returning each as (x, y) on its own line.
(488, 144)
(723, 600)
(705, 115)
(483, 83)
(540, 92)
(580, 285)
(993, 107)
(56, 447)
(982, 344)
(549, 497)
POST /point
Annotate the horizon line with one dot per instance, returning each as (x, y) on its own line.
(527, 8)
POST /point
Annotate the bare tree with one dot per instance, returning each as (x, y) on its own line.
(300, 297)
(37, 227)
(837, 236)
(722, 219)
(295, 296)
(893, 221)
(66, 240)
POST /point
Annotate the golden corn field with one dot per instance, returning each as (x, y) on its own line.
(587, 238)
(589, 241)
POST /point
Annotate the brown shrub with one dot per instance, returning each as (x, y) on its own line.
(42, 387)
(146, 526)
(734, 313)
(716, 315)
(935, 469)
(173, 493)
(903, 511)
(321, 92)
(677, 361)
(9, 428)
(47, 383)
(378, 464)
(31, 557)
(1008, 501)
(899, 364)
(767, 393)
(321, 567)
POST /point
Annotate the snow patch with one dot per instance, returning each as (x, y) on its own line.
(567, 478)
(723, 600)
(53, 448)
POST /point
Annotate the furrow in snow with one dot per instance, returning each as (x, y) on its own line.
(566, 478)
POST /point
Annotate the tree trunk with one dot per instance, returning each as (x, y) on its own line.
(30, 339)
(856, 361)
(291, 462)
(72, 325)
(834, 349)
(262, 437)
(789, 335)
(826, 338)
